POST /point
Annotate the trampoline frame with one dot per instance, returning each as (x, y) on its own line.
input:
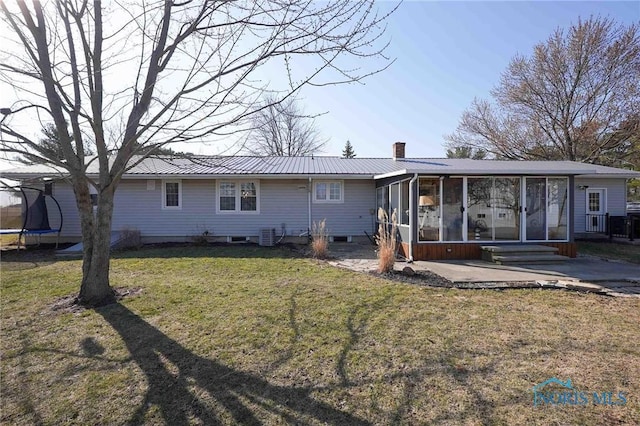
(38, 232)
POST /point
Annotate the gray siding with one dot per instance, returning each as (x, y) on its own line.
(353, 216)
(280, 202)
(616, 199)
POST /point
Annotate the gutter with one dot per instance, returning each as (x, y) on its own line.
(412, 203)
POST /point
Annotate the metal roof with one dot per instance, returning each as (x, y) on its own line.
(465, 166)
(274, 167)
(270, 166)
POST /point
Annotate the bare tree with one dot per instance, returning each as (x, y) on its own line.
(283, 130)
(138, 75)
(569, 100)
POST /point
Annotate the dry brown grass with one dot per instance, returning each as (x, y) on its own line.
(386, 240)
(8, 240)
(610, 250)
(320, 240)
(248, 335)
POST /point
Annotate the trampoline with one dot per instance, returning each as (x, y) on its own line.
(35, 211)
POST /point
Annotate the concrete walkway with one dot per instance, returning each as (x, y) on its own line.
(76, 250)
(585, 273)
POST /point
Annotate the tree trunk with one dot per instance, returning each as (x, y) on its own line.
(96, 238)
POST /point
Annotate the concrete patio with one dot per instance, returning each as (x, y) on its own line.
(584, 273)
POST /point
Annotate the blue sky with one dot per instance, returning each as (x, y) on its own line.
(446, 54)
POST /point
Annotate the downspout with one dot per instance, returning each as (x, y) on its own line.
(309, 189)
(412, 212)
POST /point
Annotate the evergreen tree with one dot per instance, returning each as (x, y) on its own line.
(466, 152)
(348, 151)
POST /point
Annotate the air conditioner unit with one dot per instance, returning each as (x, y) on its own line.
(267, 237)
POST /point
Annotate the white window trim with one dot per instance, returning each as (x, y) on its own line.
(238, 196)
(327, 201)
(164, 195)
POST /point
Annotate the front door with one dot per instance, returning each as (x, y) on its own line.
(596, 210)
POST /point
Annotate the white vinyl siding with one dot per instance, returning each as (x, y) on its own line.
(355, 215)
(614, 202)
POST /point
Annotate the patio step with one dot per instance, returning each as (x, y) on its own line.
(529, 259)
(517, 253)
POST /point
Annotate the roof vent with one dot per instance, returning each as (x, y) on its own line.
(267, 237)
(398, 150)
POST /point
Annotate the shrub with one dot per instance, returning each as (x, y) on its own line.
(129, 238)
(201, 239)
(320, 240)
(386, 240)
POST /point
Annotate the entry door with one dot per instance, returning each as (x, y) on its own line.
(452, 208)
(596, 210)
(535, 209)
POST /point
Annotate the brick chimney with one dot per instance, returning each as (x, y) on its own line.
(398, 150)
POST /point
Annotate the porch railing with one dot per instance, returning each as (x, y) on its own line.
(598, 223)
(615, 226)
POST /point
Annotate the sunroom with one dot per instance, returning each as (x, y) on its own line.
(450, 217)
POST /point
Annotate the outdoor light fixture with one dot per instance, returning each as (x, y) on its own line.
(583, 187)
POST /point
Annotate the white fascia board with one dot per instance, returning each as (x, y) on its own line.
(630, 175)
(494, 172)
(483, 172)
(395, 173)
(33, 176)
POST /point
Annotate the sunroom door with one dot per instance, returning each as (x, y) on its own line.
(535, 209)
(452, 208)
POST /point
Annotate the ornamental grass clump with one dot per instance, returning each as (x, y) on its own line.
(386, 240)
(320, 240)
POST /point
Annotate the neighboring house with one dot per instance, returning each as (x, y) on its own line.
(446, 208)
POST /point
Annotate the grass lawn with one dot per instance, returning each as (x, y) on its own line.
(252, 335)
(626, 252)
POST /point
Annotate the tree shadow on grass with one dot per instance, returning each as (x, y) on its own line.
(172, 372)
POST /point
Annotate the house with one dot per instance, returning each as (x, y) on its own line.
(446, 208)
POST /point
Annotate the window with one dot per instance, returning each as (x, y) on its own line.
(382, 199)
(327, 192)
(227, 196)
(238, 196)
(248, 197)
(594, 202)
(404, 203)
(429, 209)
(557, 208)
(172, 194)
